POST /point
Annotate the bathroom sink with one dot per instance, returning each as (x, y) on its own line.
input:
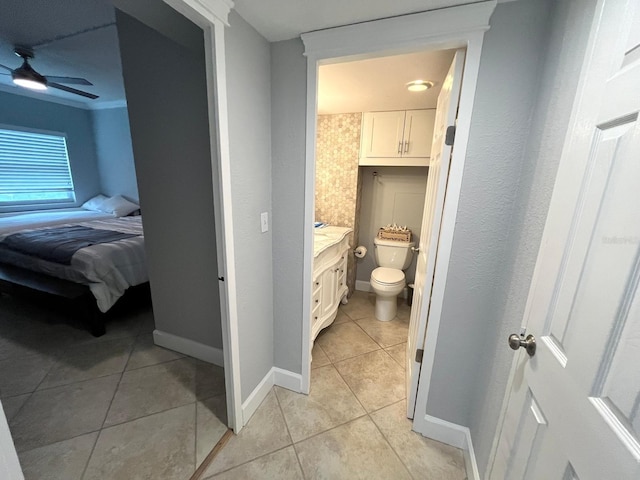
(328, 236)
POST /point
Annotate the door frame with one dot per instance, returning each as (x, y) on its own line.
(448, 28)
(212, 17)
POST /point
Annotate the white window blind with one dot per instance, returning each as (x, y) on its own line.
(34, 169)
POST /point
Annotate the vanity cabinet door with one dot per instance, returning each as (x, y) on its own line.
(329, 289)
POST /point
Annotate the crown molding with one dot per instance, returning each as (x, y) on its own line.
(211, 11)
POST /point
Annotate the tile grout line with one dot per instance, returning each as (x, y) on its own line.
(93, 447)
(195, 436)
(384, 437)
(117, 424)
(21, 406)
(284, 418)
(247, 462)
(84, 471)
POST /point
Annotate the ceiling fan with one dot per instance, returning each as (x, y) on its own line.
(26, 76)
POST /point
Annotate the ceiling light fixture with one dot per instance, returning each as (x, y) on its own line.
(419, 85)
(27, 77)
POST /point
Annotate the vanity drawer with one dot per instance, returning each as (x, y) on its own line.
(315, 299)
(315, 313)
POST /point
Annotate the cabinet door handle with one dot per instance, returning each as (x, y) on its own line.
(406, 146)
(399, 147)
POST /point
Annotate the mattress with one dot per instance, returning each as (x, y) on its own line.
(107, 268)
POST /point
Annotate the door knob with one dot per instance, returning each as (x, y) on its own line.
(517, 341)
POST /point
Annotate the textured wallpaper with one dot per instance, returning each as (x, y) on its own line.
(337, 152)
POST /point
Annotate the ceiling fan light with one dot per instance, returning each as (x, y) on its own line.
(27, 77)
(29, 83)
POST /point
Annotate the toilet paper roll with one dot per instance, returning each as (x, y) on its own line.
(360, 251)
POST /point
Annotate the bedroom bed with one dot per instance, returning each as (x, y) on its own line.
(85, 255)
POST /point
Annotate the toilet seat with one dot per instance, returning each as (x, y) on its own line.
(387, 276)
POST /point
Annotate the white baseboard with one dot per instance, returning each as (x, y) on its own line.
(286, 379)
(253, 401)
(275, 376)
(189, 347)
(456, 436)
(470, 458)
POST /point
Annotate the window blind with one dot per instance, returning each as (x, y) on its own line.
(34, 169)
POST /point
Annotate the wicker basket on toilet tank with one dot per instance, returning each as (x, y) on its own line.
(386, 234)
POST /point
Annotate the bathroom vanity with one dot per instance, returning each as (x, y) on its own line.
(330, 254)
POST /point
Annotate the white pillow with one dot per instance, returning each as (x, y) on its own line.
(118, 206)
(94, 203)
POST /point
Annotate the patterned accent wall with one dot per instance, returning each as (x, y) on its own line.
(337, 152)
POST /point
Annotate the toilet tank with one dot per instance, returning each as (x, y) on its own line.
(393, 254)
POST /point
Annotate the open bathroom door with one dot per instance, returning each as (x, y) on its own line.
(443, 134)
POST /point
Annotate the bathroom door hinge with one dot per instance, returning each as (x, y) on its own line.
(221, 279)
(450, 135)
(419, 354)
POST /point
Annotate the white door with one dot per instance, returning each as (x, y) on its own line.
(382, 134)
(574, 407)
(9, 464)
(434, 203)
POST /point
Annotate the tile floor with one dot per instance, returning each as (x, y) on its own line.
(108, 408)
(352, 425)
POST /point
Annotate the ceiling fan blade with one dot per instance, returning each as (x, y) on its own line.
(68, 80)
(4, 66)
(72, 90)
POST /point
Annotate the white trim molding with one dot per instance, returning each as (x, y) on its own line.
(456, 27)
(399, 33)
(203, 12)
(275, 376)
(194, 349)
(363, 286)
(212, 17)
(454, 435)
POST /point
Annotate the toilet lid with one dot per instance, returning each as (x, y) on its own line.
(387, 275)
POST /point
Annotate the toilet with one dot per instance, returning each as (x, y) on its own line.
(387, 281)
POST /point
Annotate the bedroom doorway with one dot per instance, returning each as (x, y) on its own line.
(87, 395)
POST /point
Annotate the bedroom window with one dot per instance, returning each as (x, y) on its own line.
(34, 169)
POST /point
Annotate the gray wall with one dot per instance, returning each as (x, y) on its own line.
(249, 93)
(170, 134)
(505, 97)
(288, 113)
(393, 195)
(115, 153)
(566, 42)
(18, 110)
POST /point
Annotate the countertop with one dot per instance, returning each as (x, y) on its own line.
(326, 237)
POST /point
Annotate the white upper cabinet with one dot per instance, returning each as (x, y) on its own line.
(401, 138)
(382, 134)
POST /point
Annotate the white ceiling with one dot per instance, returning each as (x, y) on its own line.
(93, 55)
(379, 84)
(284, 19)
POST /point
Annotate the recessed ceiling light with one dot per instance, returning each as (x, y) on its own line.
(419, 85)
